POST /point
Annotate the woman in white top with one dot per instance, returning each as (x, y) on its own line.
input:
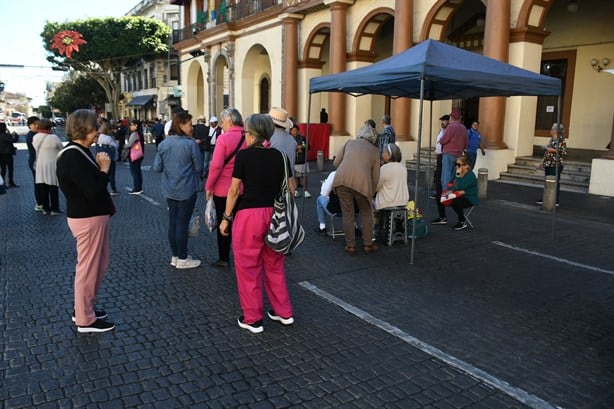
(106, 143)
(391, 188)
(47, 146)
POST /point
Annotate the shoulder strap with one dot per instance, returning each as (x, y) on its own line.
(78, 149)
(235, 151)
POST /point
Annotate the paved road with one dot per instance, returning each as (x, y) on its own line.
(502, 316)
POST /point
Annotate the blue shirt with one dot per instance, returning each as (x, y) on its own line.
(179, 159)
(474, 140)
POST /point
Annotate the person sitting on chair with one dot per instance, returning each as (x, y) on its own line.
(463, 193)
(391, 187)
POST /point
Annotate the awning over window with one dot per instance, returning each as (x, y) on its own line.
(141, 100)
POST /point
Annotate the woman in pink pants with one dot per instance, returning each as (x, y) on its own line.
(260, 170)
(83, 179)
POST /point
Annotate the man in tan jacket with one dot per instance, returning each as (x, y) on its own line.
(357, 175)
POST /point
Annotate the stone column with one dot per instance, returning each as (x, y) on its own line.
(338, 57)
(290, 64)
(496, 45)
(403, 39)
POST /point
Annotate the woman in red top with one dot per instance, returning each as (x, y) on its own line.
(220, 173)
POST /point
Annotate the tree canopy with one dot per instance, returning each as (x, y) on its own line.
(111, 45)
(78, 91)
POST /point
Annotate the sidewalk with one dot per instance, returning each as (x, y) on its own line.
(501, 316)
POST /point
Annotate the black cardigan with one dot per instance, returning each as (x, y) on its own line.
(83, 184)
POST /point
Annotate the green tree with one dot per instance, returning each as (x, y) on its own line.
(113, 44)
(44, 111)
(77, 91)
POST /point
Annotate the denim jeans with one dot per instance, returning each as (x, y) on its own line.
(206, 160)
(448, 169)
(321, 211)
(179, 213)
(112, 175)
(137, 175)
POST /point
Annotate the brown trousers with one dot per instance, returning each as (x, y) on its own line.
(346, 201)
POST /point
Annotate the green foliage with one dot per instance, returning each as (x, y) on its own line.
(44, 111)
(111, 41)
(113, 44)
(78, 92)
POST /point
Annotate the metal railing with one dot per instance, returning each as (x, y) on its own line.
(231, 14)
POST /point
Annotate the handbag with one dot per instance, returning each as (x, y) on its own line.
(136, 151)
(285, 232)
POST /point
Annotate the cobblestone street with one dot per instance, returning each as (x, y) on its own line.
(501, 316)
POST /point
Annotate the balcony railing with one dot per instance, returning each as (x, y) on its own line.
(232, 13)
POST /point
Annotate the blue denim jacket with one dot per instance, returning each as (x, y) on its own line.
(179, 159)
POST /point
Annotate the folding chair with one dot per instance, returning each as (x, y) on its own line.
(467, 212)
(330, 228)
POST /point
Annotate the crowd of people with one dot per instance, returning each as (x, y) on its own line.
(239, 166)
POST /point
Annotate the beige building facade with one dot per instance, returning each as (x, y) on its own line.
(259, 54)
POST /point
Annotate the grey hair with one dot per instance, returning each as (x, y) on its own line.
(556, 125)
(368, 133)
(394, 151)
(233, 114)
(386, 119)
(260, 126)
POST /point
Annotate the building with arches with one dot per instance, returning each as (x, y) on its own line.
(261, 53)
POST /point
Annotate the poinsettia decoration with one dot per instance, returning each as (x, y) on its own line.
(67, 42)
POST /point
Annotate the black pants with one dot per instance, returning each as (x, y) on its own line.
(459, 204)
(49, 197)
(6, 161)
(223, 242)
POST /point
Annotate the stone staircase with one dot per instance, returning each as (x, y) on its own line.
(575, 177)
(526, 171)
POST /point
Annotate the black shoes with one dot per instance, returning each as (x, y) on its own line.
(284, 321)
(220, 264)
(97, 326)
(254, 328)
(440, 220)
(100, 315)
(320, 231)
(460, 225)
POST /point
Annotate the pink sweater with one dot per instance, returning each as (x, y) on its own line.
(220, 176)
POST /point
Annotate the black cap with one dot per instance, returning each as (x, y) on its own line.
(445, 117)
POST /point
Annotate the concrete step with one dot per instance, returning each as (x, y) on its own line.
(538, 181)
(577, 176)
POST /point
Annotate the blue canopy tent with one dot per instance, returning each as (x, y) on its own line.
(433, 71)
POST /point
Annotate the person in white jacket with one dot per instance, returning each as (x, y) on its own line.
(392, 190)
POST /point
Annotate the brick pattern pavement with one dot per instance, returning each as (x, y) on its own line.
(541, 326)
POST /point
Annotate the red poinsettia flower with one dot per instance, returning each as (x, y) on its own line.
(67, 42)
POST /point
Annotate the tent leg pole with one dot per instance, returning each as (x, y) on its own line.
(413, 224)
(306, 156)
(558, 162)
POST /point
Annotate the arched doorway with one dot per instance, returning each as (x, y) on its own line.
(256, 81)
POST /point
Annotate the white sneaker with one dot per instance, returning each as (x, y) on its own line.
(187, 263)
(307, 194)
(174, 261)
(297, 193)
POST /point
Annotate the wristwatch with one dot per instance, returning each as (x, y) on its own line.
(226, 217)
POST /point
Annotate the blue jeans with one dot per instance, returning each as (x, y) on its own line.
(179, 213)
(321, 211)
(448, 169)
(112, 175)
(206, 160)
(137, 175)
